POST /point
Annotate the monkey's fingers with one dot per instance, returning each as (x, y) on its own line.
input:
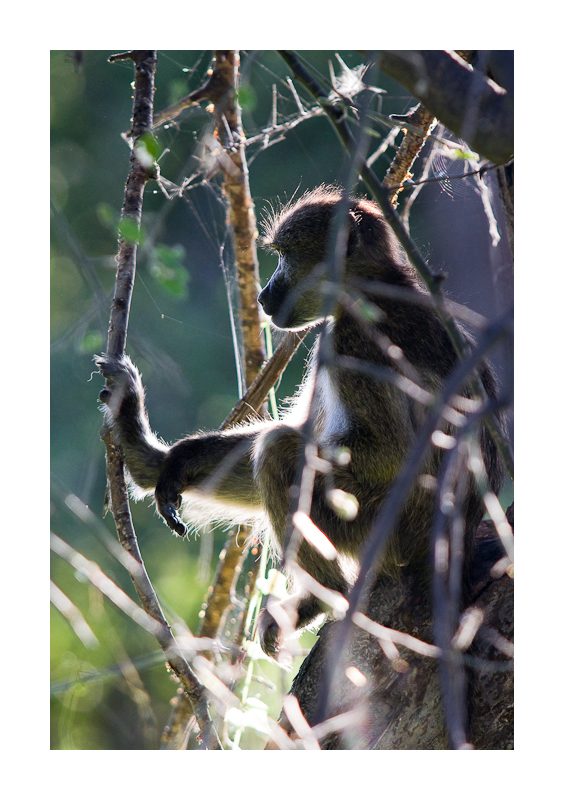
(109, 367)
(170, 514)
(110, 370)
(118, 370)
(269, 634)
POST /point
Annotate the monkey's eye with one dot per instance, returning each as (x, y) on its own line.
(267, 244)
(275, 249)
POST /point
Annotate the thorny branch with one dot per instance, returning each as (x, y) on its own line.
(145, 65)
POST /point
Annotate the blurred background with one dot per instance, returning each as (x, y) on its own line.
(180, 335)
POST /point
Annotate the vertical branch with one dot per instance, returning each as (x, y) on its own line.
(447, 542)
(236, 186)
(142, 123)
(222, 89)
(229, 131)
(140, 172)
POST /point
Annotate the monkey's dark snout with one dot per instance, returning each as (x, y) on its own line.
(265, 299)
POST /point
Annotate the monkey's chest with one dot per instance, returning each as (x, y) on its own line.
(332, 420)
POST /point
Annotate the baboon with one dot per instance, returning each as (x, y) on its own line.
(362, 424)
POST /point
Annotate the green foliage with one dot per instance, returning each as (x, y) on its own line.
(247, 97)
(91, 342)
(130, 231)
(168, 270)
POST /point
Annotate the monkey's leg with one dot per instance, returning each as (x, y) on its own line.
(280, 619)
(276, 461)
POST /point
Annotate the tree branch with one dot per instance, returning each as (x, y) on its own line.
(408, 151)
(466, 102)
(229, 129)
(258, 391)
(145, 65)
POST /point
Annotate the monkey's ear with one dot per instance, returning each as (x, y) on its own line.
(354, 234)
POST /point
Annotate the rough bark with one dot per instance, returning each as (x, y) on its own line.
(409, 149)
(229, 131)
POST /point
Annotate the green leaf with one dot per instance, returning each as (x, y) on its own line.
(247, 97)
(129, 231)
(91, 342)
(168, 270)
(463, 154)
(147, 149)
(107, 216)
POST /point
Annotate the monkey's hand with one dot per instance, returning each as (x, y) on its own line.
(123, 382)
(168, 497)
(125, 414)
(169, 513)
(280, 621)
(270, 635)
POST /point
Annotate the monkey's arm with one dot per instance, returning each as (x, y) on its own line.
(218, 462)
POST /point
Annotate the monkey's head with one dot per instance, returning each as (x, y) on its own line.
(295, 295)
